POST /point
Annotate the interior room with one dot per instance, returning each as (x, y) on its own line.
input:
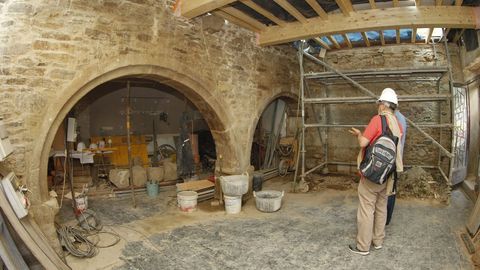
(239, 134)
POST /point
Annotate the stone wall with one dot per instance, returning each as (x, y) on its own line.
(419, 150)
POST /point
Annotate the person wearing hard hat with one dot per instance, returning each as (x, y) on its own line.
(372, 208)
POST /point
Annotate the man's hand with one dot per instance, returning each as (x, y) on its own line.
(354, 131)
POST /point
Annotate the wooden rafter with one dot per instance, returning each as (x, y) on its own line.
(318, 9)
(458, 35)
(345, 6)
(292, 10)
(244, 17)
(235, 20)
(382, 38)
(334, 41)
(458, 2)
(322, 43)
(347, 40)
(365, 39)
(264, 12)
(191, 9)
(372, 4)
(438, 2)
(401, 17)
(429, 37)
(414, 35)
(397, 35)
(395, 3)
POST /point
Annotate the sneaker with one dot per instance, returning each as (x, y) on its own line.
(353, 248)
(377, 247)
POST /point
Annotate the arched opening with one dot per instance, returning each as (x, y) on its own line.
(275, 136)
(169, 139)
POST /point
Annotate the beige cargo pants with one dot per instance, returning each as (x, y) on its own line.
(371, 214)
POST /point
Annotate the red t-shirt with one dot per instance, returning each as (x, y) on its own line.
(374, 128)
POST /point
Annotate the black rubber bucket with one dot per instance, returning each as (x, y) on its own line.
(257, 182)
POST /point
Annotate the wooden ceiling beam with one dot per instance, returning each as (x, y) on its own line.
(430, 32)
(235, 20)
(414, 35)
(244, 17)
(389, 18)
(372, 4)
(334, 41)
(347, 40)
(191, 9)
(318, 9)
(292, 10)
(345, 6)
(382, 38)
(263, 12)
(365, 39)
(322, 43)
(397, 35)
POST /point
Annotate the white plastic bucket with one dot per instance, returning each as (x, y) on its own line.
(82, 203)
(233, 204)
(187, 200)
(234, 185)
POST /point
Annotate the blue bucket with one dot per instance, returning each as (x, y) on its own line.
(152, 189)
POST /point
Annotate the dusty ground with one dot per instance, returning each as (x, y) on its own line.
(311, 231)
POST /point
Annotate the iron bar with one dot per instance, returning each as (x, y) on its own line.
(444, 175)
(370, 93)
(315, 168)
(341, 100)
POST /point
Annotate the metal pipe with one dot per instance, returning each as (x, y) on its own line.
(341, 100)
(369, 93)
(356, 125)
(452, 110)
(315, 168)
(129, 145)
(380, 80)
(444, 175)
(372, 73)
(355, 164)
(302, 73)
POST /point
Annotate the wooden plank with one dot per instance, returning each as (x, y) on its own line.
(438, 2)
(318, 9)
(414, 35)
(292, 10)
(334, 42)
(195, 185)
(417, 3)
(382, 37)
(365, 39)
(264, 12)
(395, 3)
(345, 6)
(191, 9)
(243, 16)
(373, 20)
(31, 239)
(235, 20)
(397, 35)
(347, 40)
(372, 4)
(322, 43)
(429, 37)
(458, 2)
(8, 249)
(458, 36)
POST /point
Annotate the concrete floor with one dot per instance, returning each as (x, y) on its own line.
(311, 231)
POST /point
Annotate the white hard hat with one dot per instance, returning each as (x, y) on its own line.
(388, 94)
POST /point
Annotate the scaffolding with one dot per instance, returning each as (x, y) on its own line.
(334, 76)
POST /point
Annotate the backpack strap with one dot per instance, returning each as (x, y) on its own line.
(385, 127)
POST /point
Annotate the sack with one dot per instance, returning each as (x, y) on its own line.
(379, 160)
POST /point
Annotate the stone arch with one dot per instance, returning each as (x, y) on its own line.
(260, 109)
(196, 90)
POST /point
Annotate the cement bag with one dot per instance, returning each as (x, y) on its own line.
(119, 177)
(170, 171)
(155, 173)
(139, 176)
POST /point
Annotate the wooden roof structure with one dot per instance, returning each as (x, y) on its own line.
(336, 24)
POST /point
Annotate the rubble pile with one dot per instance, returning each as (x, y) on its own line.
(418, 183)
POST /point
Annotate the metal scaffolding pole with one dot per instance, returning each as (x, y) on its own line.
(342, 100)
(357, 125)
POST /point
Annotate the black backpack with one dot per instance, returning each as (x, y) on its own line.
(379, 160)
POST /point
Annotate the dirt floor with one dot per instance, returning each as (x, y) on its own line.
(310, 231)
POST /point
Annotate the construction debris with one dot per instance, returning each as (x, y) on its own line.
(418, 183)
(317, 182)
